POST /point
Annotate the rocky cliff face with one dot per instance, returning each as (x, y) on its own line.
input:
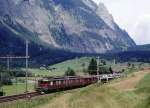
(72, 25)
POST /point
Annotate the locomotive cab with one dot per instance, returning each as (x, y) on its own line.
(43, 86)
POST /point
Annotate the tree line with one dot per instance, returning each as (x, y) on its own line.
(93, 68)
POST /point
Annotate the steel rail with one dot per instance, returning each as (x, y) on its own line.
(18, 97)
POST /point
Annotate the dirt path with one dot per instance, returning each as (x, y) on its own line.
(131, 82)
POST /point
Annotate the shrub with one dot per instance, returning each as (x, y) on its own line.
(70, 72)
(105, 70)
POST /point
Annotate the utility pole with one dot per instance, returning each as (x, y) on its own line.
(35, 81)
(114, 61)
(8, 64)
(1, 83)
(77, 64)
(98, 68)
(27, 57)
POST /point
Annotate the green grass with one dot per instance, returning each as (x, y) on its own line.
(143, 89)
(33, 103)
(145, 82)
(75, 64)
(40, 72)
(96, 96)
(60, 68)
(16, 89)
(93, 96)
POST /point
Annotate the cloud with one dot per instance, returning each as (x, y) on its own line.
(141, 30)
(131, 15)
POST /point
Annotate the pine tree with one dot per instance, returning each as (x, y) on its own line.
(92, 68)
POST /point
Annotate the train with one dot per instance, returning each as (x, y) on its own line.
(53, 84)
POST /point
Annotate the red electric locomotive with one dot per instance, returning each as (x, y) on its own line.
(52, 84)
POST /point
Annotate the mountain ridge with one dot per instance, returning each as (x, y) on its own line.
(77, 26)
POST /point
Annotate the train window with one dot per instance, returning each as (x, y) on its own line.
(80, 80)
(75, 81)
(67, 81)
(59, 82)
(64, 82)
(51, 83)
(70, 81)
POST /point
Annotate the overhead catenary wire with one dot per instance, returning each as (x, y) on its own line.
(26, 57)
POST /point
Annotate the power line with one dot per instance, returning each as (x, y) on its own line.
(26, 57)
(14, 57)
(27, 66)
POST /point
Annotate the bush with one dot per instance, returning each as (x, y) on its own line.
(5, 79)
(70, 72)
(21, 74)
(2, 93)
(103, 62)
(105, 70)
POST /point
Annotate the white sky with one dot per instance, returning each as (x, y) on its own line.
(133, 16)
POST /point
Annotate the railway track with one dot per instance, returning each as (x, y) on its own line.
(18, 97)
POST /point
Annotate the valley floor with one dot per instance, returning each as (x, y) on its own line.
(117, 94)
(132, 91)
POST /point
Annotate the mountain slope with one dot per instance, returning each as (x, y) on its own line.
(12, 42)
(145, 47)
(73, 25)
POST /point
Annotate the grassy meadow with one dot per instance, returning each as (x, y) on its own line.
(17, 88)
(60, 68)
(96, 95)
(77, 65)
(106, 96)
(145, 82)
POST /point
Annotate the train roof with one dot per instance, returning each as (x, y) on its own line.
(63, 78)
(59, 78)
